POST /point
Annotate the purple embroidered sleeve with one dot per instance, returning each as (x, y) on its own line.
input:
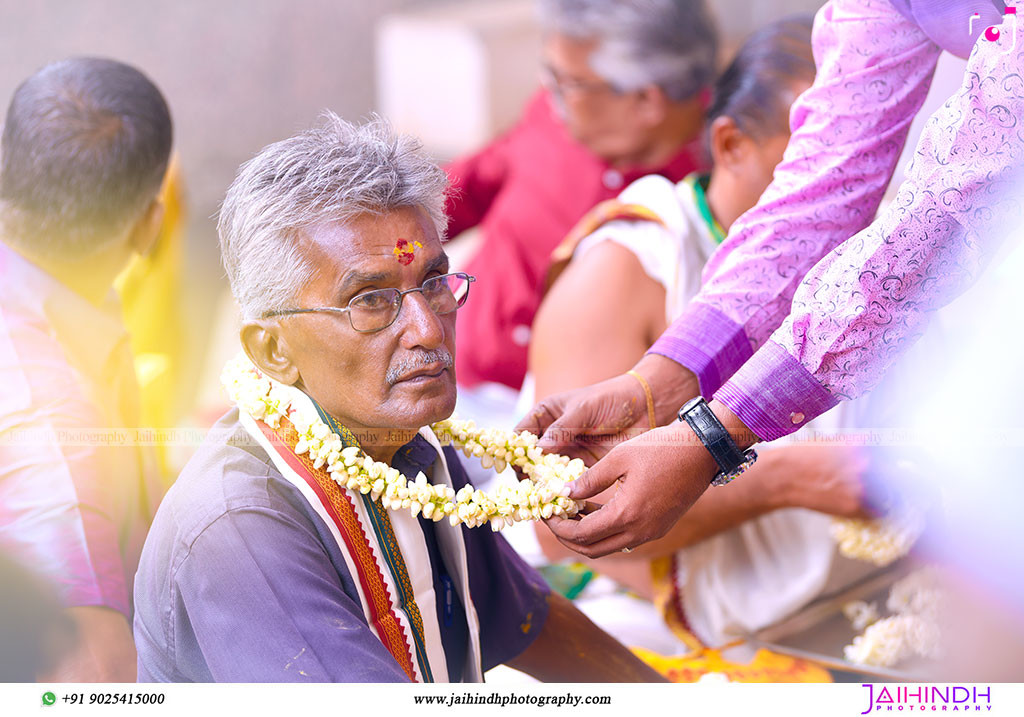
(773, 394)
(873, 296)
(708, 343)
(874, 70)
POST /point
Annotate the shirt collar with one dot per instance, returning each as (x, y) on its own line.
(417, 455)
(699, 184)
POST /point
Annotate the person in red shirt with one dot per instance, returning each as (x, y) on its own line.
(624, 96)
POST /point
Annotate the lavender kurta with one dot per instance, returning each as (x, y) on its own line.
(241, 581)
(825, 300)
(76, 491)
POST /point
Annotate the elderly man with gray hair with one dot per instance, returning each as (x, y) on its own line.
(266, 562)
(624, 96)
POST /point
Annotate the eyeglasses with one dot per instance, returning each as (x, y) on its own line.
(559, 85)
(376, 310)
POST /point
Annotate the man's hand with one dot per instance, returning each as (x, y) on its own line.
(588, 422)
(661, 474)
(828, 479)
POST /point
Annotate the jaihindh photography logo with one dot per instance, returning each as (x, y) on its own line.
(928, 698)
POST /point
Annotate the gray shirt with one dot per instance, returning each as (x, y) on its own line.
(241, 581)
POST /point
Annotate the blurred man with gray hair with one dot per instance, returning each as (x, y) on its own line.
(85, 147)
(263, 566)
(624, 96)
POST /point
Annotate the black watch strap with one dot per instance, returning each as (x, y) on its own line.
(699, 416)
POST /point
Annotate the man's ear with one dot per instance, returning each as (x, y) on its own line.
(146, 230)
(267, 349)
(729, 145)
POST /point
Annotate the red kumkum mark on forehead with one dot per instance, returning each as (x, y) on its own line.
(405, 251)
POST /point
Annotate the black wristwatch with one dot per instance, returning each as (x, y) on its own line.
(731, 461)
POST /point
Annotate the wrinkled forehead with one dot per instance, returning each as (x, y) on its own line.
(391, 247)
(568, 53)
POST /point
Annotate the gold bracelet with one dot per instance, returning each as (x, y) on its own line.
(648, 394)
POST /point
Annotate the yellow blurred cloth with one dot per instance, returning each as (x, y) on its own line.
(150, 291)
(668, 601)
(765, 667)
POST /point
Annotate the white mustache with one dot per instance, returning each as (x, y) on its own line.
(395, 373)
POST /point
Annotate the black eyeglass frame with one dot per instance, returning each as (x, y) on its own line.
(399, 297)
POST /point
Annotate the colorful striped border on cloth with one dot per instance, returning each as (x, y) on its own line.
(386, 556)
(388, 543)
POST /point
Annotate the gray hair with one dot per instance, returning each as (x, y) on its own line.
(672, 44)
(331, 173)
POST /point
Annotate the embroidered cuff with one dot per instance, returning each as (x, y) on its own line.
(773, 394)
(707, 342)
